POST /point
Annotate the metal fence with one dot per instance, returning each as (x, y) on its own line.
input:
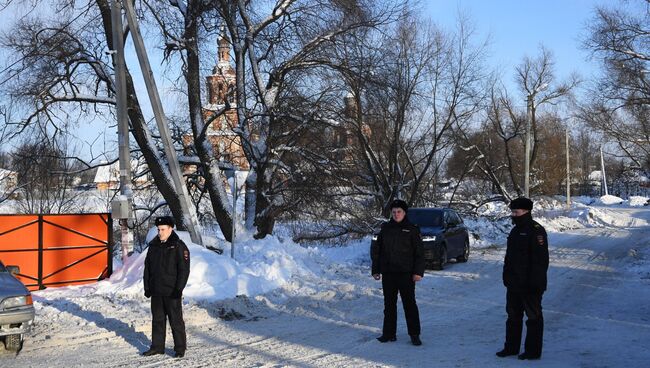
(57, 250)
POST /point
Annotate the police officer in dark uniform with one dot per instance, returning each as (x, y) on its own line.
(397, 259)
(524, 276)
(166, 270)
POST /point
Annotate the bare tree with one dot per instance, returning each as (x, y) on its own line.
(426, 87)
(536, 79)
(495, 152)
(409, 87)
(271, 49)
(619, 106)
(42, 169)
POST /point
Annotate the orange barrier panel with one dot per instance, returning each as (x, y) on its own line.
(57, 250)
(19, 245)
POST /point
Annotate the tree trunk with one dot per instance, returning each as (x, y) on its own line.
(211, 171)
(265, 214)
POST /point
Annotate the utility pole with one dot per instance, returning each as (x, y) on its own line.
(174, 168)
(529, 122)
(568, 172)
(231, 173)
(602, 170)
(529, 118)
(121, 206)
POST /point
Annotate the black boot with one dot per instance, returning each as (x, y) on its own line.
(529, 356)
(152, 351)
(505, 352)
(179, 354)
(415, 340)
(383, 338)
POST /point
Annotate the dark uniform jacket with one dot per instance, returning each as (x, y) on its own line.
(167, 266)
(526, 261)
(398, 248)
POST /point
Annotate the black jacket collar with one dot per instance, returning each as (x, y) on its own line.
(523, 220)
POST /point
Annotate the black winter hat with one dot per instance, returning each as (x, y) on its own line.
(398, 203)
(521, 203)
(165, 220)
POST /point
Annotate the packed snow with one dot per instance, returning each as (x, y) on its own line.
(610, 199)
(260, 267)
(282, 304)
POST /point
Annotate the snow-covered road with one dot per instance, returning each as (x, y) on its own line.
(596, 313)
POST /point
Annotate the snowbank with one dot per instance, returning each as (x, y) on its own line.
(610, 200)
(637, 201)
(260, 266)
(357, 252)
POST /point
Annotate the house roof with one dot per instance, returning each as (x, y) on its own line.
(111, 173)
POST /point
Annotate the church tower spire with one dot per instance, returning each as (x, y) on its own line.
(223, 44)
(221, 84)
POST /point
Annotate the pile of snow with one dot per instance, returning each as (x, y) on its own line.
(556, 216)
(637, 201)
(493, 209)
(356, 252)
(260, 266)
(610, 200)
(487, 232)
(490, 227)
(586, 200)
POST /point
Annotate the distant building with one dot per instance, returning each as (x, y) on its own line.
(595, 177)
(222, 100)
(8, 181)
(107, 177)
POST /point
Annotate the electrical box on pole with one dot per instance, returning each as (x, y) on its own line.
(121, 209)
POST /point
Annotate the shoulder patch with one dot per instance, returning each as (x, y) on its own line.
(186, 254)
(540, 239)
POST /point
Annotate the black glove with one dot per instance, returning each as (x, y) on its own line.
(176, 294)
(147, 293)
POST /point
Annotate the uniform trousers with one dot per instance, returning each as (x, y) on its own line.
(162, 308)
(402, 283)
(516, 304)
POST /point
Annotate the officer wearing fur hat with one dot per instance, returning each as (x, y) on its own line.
(398, 260)
(166, 270)
(524, 276)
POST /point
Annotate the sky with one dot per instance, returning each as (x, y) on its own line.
(517, 28)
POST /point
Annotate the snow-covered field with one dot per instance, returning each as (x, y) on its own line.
(319, 307)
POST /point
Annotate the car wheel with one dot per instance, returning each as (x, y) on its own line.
(13, 342)
(442, 259)
(465, 256)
